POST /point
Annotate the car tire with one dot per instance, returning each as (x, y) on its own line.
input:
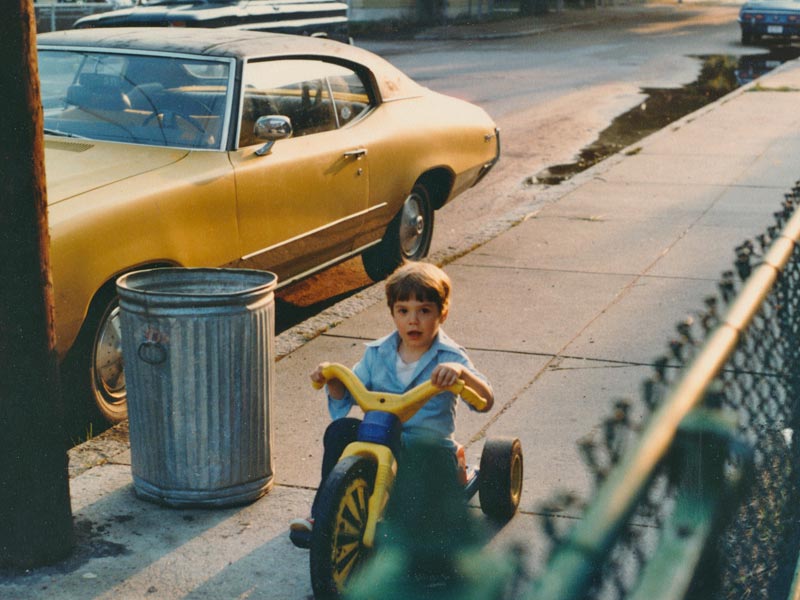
(407, 238)
(747, 38)
(92, 372)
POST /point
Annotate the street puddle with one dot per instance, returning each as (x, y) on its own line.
(719, 75)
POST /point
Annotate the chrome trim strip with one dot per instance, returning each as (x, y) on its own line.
(399, 98)
(314, 231)
(324, 266)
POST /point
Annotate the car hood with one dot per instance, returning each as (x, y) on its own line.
(76, 166)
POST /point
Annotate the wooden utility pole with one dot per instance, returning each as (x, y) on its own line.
(35, 514)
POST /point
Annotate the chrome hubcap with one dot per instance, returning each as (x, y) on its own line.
(412, 226)
(109, 375)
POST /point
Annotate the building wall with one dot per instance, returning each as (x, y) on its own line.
(382, 10)
(408, 10)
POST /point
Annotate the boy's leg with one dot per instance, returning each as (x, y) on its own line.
(338, 435)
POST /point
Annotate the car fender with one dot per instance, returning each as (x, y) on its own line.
(182, 213)
(449, 136)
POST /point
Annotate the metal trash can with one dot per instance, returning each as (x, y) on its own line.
(199, 365)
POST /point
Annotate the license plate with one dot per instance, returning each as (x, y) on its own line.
(774, 28)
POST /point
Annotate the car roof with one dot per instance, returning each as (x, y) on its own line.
(233, 43)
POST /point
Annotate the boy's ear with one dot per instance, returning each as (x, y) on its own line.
(443, 314)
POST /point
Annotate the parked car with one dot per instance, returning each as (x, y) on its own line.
(773, 18)
(301, 17)
(220, 147)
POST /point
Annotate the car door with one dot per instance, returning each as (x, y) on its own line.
(301, 203)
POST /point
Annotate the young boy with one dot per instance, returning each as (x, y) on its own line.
(418, 295)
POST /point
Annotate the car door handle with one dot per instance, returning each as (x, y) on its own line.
(357, 154)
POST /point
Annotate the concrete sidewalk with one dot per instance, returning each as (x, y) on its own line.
(563, 311)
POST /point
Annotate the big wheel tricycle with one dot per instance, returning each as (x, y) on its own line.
(353, 497)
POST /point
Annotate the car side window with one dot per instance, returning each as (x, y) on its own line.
(317, 96)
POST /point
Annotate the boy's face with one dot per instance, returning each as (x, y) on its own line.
(417, 323)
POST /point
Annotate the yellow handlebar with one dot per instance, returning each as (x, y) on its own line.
(405, 405)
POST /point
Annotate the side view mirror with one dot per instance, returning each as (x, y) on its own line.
(272, 128)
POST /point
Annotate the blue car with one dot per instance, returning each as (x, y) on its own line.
(773, 18)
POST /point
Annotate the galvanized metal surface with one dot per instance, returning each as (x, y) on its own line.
(198, 347)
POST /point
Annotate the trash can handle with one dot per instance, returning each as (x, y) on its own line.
(153, 353)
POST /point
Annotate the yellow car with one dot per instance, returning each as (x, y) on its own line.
(222, 147)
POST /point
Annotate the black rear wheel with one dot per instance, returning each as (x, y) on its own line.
(337, 550)
(500, 483)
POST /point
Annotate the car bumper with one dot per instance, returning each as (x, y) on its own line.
(488, 166)
(770, 29)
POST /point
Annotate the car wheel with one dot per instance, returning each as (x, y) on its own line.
(92, 373)
(408, 236)
(747, 38)
(107, 375)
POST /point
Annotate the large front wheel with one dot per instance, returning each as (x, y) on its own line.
(337, 549)
(408, 236)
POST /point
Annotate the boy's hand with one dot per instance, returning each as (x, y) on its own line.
(446, 374)
(316, 375)
(336, 388)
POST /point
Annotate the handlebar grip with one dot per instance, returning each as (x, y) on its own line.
(470, 396)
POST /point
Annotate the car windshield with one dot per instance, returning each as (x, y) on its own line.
(170, 101)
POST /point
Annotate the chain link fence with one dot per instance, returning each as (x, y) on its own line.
(687, 524)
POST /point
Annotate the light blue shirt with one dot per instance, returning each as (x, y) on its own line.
(378, 371)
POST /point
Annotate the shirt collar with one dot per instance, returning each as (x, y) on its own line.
(387, 346)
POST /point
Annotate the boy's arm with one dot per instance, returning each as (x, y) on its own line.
(446, 374)
(339, 399)
(336, 389)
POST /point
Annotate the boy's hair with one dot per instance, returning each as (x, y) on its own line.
(420, 281)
